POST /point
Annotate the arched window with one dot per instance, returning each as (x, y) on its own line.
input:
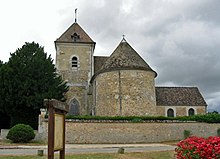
(74, 107)
(191, 112)
(74, 62)
(170, 112)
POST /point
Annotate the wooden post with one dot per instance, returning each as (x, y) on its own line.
(56, 127)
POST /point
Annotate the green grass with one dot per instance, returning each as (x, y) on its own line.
(32, 143)
(135, 155)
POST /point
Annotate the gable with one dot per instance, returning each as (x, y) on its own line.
(75, 34)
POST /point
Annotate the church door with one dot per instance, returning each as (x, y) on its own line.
(74, 107)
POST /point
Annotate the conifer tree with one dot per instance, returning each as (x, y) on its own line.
(30, 77)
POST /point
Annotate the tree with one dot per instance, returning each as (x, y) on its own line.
(4, 118)
(29, 78)
(2, 88)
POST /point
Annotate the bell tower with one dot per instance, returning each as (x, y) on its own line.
(74, 62)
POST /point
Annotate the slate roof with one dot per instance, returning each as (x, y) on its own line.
(179, 96)
(125, 57)
(98, 62)
(75, 34)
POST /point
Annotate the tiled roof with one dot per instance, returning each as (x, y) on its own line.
(179, 96)
(98, 62)
(125, 57)
(75, 34)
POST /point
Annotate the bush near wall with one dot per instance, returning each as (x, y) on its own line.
(207, 118)
(21, 133)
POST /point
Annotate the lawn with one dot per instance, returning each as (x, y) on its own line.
(136, 155)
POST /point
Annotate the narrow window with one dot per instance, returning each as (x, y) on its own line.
(170, 112)
(191, 112)
(74, 62)
(74, 107)
(75, 37)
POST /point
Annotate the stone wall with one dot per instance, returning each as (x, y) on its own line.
(66, 51)
(116, 132)
(125, 93)
(180, 110)
(77, 77)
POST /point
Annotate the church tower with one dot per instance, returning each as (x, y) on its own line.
(74, 62)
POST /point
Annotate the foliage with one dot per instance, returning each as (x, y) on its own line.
(2, 70)
(129, 118)
(197, 148)
(209, 118)
(27, 79)
(187, 133)
(213, 112)
(136, 120)
(4, 121)
(21, 133)
(1, 63)
(25, 119)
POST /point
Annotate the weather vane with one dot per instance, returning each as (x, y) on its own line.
(75, 15)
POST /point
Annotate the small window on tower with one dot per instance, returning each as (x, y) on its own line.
(74, 62)
(75, 37)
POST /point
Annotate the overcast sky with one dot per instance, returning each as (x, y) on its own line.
(179, 39)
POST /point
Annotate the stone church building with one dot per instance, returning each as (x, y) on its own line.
(122, 84)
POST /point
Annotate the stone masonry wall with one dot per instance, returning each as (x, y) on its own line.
(125, 93)
(79, 93)
(180, 110)
(78, 78)
(107, 132)
(65, 52)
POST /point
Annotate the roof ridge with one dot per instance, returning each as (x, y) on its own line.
(125, 57)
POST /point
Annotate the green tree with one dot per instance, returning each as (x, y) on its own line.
(2, 88)
(30, 77)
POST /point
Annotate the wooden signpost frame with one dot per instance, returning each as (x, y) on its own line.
(56, 128)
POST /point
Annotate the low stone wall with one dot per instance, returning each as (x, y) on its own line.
(117, 132)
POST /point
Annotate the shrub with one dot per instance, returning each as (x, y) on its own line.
(187, 133)
(198, 148)
(21, 133)
(136, 120)
(208, 118)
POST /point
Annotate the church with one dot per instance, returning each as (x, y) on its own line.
(122, 84)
